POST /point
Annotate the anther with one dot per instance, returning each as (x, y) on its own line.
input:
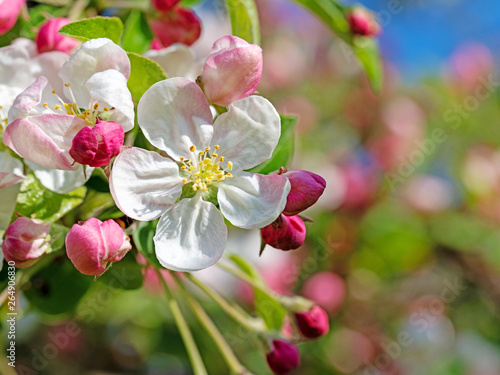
(221, 159)
(184, 180)
(57, 106)
(192, 148)
(66, 84)
(230, 165)
(54, 92)
(106, 109)
(96, 105)
(45, 104)
(207, 149)
(214, 155)
(182, 159)
(216, 147)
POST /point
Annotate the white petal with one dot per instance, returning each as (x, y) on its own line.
(144, 184)
(248, 132)
(58, 180)
(191, 236)
(11, 170)
(176, 60)
(174, 114)
(96, 55)
(8, 200)
(253, 201)
(109, 89)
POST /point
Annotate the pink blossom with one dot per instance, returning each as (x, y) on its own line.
(95, 146)
(179, 25)
(91, 245)
(283, 357)
(327, 289)
(306, 189)
(48, 38)
(9, 11)
(286, 233)
(232, 70)
(313, 323)
(362, 22)
(25, 241)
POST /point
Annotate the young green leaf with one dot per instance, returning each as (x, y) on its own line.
(92, 28)
(244, 20)
(144, 73)
(137, 35)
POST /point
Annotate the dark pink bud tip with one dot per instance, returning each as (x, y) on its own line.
(95, 146)
(306, 189)
(286, 233)
(283, 358)
(313, 323)
(164, 5)
(48, 37)
(363, 23)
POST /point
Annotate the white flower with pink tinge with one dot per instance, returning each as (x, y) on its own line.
(92, 85)
(206, 167)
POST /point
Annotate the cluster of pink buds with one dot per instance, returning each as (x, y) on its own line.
(288, 231)
(173, 24)
(91, 245)
(363, 23)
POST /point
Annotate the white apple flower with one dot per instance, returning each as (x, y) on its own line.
(206, 167)
(45, 117)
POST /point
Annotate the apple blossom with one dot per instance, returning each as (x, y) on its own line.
(313, 323)
(362, 22)
(49, 39)
(232, 70)
(286, 233)
(178, 25)
(207, 168)
(11, 170)
(176, 60)
(283, 357)
(46, 117)
(25, 241)
(9, 11)
(91, 245)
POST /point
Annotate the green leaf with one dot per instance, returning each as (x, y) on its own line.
(92, 28)
(244, 20)
(57, 237)
(266, 306)
(189, 3)
(125, 274)
(144, 73)
(283, 153)
(137, 35)
(38, 202)
(58, 288)
(143, 241)
(365, 49)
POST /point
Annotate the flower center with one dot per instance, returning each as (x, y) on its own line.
(205, 170)
(90, 115)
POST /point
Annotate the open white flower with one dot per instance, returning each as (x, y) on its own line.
(208, 162)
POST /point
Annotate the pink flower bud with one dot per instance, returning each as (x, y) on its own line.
(283, 358)
(94, 243)
(313, 323)
(164, 5)
(286, 233)
(95, 146)
(9, 11)
(306, 189)
(25, 241)
(178, 25)
(363, 23)
(232, 70)
(48, 38)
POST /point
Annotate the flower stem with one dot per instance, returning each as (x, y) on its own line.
(187, 338)
(252, 324)
(231, 360)
(243, 276)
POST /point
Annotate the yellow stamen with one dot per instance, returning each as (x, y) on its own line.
(54, 92)
(184, 180)
(183, 167)
(96, 105)
(181, 159)
(57, 106)
(66, 84)
(230, 165)
(214, 155)
(45, 104)
(216, 147)
(221, 159)
(207, 149)
(192, 148)
(106, 109)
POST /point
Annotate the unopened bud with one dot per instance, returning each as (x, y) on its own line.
(164, 5)
(95, 146)
(25, 241)
(286, 233)
(178, 25)
(232, 70)
(283, 357)
(48, 37)
(306, 188)
(93, 244)
(362, 22)
(9, 11)
(313, 323)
